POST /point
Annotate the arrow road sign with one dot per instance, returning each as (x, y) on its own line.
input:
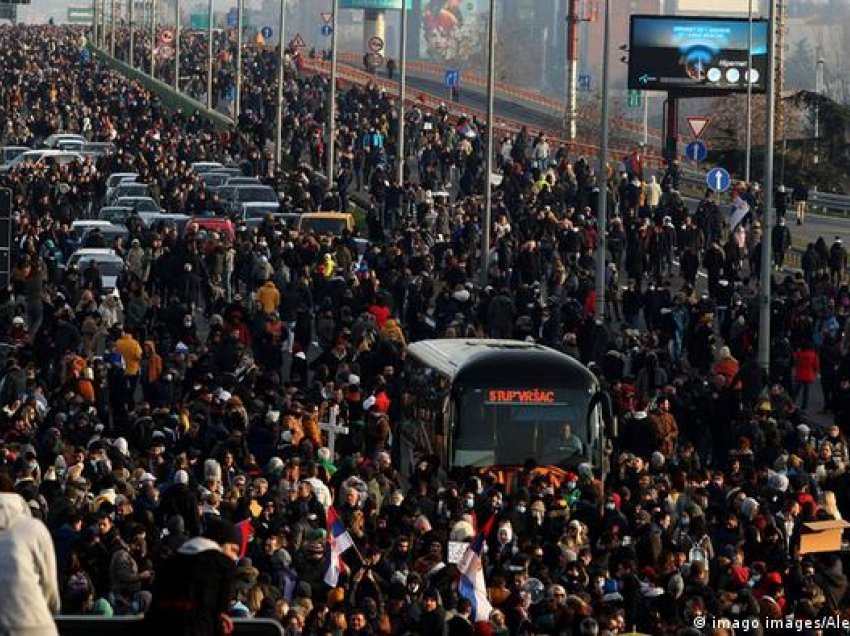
(584, 83)
(327, 30)
(452, 78)
(267, 32)
(698, 125)
(696, 151)
(718, 179)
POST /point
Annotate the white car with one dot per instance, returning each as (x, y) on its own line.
(54, 140)
(200, 167)
(115, 178)
(42, 156)
(108, 262)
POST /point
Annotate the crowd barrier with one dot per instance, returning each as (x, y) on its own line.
(132, 626)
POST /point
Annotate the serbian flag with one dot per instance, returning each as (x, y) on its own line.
(338, 542)
(472, 585)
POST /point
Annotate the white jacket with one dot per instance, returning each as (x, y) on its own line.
(30, 591)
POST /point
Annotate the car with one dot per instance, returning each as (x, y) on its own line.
(53, 141)
(152, 219)
(119, 177)
(202, 167)
(7, 153)
(214, 180)
(202, 225)
(230, 171)
(41, 156)
(281, 220)
(80, 227)
(72, 145)
(99, 148)
(108, 262)
(331, 223)
(139, 204)
(109, 234)
(246, 194)
(240, 180)
(115, 214)
(257, 209)
(127, 189)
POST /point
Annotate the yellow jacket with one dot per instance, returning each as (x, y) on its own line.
(131, 351)
(269, 297)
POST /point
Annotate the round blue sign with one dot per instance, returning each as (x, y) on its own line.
(267, 32)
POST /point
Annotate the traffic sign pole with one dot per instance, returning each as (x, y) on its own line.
(131, 48)
(602, 205)
(153, 37)
(176, 45)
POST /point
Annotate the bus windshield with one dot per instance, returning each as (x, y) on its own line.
(505, 427)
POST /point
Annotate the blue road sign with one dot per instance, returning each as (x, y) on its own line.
(232, 18)
(584, 82)
(718, 179)
(267, 32)
(327, 30)
(696, 151)
(452, 78)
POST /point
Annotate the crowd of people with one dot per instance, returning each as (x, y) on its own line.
(168, 436)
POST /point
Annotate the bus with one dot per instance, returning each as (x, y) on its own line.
(496, 404)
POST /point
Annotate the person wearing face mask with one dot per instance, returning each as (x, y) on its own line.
(192, 589)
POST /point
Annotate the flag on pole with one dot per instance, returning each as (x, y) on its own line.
(337, 543)
(472, 585)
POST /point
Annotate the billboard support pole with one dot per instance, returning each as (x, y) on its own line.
(767, 222)
(671, 129)
(602, 178)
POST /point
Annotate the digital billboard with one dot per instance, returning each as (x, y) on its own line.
(452, 31)
(373, 4)
(696, 54)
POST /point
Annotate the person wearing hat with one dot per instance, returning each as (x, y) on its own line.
(193, 588)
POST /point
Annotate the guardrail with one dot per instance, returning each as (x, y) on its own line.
(552, 105)
(828, 202)
(132, 626)
(350, 75)
(170, 98)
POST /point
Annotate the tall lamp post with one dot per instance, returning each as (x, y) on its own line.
(748, 76)
(767, 221)
(281, 62)
(330, 147)
(402, 89)
(237, 102)
(602, 179)
(819, 90)
(491, 124)
(153, 38)
(177, 45)
(210, 56)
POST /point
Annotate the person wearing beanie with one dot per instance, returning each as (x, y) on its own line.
(193, 588)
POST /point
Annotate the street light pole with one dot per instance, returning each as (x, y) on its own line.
(177, 45)
(767, 221)
(491, 125)
(112, 28)
(94, 23)
(237, 102)
(748, 76)
(818, 90)
(281, 62)
(153, 38)
(402, 89)
(130, 53)
(210, 57)
(602, 178)
(330, 147)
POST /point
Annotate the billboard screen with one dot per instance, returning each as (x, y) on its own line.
(452, 31)
(695, 54)
(373, 4)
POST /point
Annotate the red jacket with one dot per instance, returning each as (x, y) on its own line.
(806, 365)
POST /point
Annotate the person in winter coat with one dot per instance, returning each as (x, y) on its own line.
(28, 576)
(806, 369)
(193, 589)
(664, 428)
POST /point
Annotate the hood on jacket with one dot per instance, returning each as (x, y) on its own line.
(196, 545)
(12, 509)
(150, 346)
